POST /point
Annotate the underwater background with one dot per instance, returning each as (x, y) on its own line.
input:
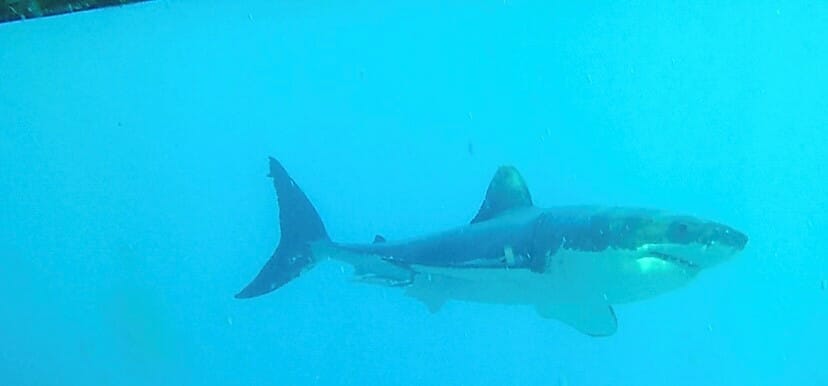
(134, 202)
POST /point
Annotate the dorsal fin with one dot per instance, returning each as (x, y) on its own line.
(506, 192)
(379, 239)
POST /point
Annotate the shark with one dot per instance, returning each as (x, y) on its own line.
(571, 263)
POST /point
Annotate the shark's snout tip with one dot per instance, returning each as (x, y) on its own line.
(739, 240)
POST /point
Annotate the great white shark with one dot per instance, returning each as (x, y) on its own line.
(571, 263)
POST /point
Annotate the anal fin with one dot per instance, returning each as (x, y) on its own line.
(591, 319)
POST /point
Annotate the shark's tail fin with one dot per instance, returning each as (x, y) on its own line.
(300, 224)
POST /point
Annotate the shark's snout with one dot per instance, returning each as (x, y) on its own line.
(733, 238)
(699, 245)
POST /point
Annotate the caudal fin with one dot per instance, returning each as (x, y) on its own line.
(300, 224)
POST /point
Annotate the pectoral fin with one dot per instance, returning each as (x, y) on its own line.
(591, 319)
(431, 299)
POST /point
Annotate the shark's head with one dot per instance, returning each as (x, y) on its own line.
(631, 254)
(691, 242)
(687, 241)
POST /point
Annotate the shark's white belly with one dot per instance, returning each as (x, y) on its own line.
(609, 277)
(577, 288)
(571, 277)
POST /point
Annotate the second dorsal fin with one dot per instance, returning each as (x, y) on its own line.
(506, 192)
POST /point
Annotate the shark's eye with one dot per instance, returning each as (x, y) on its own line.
(679, 232)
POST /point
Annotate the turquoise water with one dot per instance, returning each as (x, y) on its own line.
(134, 203)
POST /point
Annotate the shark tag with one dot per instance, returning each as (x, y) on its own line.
(591, 319)
(507, 191)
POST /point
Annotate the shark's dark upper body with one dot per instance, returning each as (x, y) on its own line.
(527, 237)
(476, 244)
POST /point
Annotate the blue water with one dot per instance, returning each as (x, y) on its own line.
(134, 203)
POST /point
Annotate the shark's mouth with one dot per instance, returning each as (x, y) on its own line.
(673, 259)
